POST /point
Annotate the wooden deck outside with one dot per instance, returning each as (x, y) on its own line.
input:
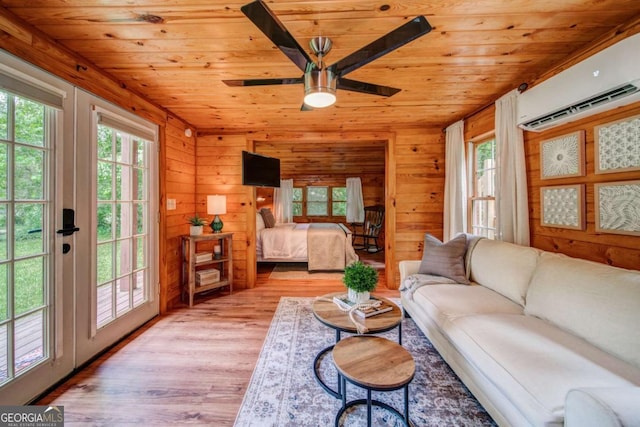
(29, 330)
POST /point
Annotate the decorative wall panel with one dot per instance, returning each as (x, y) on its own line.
(618, 207)
(617, 145)
(563, 156)
(563, 206)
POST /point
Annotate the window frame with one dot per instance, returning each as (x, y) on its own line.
(333, 201)
(329, 202)
(318, 202)
(295, 202)
(472, 186)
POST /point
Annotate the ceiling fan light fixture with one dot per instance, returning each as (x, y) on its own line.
(319, 88)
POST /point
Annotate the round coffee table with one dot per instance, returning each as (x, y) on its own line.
(329, 314)
(375, 364)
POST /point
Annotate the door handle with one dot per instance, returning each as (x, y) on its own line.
(68, 223)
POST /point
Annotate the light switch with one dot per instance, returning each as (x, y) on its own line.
(171, 204)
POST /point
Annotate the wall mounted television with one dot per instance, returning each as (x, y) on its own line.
(259, 170)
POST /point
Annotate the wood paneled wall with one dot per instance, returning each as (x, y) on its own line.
(614, 249)
(328, 163)
(178, 168)
(413, 190)
(619, 250)
(219, 171)
(419, 158)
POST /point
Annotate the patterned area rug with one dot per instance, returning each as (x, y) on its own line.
(298, 271)
(284, 392)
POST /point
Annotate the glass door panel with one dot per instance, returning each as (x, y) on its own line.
(121, 197)
(25, 260)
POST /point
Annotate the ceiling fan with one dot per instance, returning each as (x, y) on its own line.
(321, 81)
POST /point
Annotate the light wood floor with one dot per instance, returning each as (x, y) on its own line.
(191, 366)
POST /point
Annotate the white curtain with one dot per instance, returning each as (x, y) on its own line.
(455, 182)
(355, 203)
(512, 204)
(283, 201)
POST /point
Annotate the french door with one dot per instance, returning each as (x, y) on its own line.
(116, 187)
(78, 228)
(36, 278)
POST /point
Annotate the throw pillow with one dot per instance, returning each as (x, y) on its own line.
(445, 259)
(267, 216)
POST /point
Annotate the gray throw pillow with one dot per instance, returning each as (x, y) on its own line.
(267, 216)
(445, 259)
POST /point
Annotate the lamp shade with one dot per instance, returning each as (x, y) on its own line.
(319, 88)
(216, 205)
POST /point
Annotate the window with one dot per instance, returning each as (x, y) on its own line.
(482, 187)
(297, 202)
(339, 201)
(317, 201)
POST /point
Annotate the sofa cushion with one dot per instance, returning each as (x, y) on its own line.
(444, 259)
(602, 407)
(533, 363)
(472, 241)
(595, 301)
(444, 303)
(504, 267)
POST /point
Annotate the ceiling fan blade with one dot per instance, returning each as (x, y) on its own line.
(264, 82)
(270, 25)
(362, 87)
(402, 35)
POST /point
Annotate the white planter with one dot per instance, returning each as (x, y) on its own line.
(358, 297)
(196, 230)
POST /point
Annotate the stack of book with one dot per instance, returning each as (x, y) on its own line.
(364, 311)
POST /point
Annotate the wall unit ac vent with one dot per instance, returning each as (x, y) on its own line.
(606, 80)
(564, 115)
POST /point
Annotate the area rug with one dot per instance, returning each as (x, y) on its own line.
(283, 390)
(298, 271)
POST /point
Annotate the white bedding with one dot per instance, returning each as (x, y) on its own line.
(284, 242)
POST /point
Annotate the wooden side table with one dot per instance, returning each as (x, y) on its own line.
(190, 266)
(328, 313)
(375, 364)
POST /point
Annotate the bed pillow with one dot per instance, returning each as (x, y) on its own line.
(445, 259)
(267, 216)
(259, 222)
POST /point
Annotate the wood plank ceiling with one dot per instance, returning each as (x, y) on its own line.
(177, 52)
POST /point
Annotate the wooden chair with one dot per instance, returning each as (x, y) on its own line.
(369, 230)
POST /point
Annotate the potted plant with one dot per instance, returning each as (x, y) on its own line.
(196, 225)
(360, 279)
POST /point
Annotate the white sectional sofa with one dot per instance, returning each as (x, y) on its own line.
(539, 338)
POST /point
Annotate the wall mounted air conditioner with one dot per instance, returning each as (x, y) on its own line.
(606, 80)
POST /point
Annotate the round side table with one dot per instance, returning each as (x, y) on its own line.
(330, 315)
(374, 364)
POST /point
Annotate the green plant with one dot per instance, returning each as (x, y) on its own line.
(196, 220)
(360, 277)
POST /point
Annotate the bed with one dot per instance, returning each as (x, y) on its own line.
(324, 246)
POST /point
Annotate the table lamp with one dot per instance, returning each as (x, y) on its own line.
(216, 205)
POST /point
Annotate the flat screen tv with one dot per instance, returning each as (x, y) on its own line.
(259, 170)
